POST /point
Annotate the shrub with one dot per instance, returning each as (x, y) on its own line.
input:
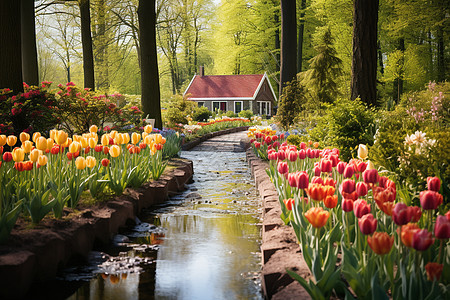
(290, 104)
(178, 110)
(246, 114)
(294, 139)
(230, 114)
(201, 114)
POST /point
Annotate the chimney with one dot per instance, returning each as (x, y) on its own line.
(201, 71)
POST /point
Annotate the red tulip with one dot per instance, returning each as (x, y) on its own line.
(367, 224)
(317, 180)
(384, 194)
(349, 171)
(401, 214)
(302, 145)
(317, 171)
(347, 205)
(326, 165)
(257, 145)
(316, 153)
(310, 153)
(7, 156)
(292, 180)
(282, 167)
(434, 184)
(105, 162)
(382, 181)
(361, 208)
(106, 150)
(341, 167)
(434, 271)
(317, 216)
(361, 189)
(416, 213)
(370, 176)
(288, 203)
(281, 155)
(331, 201)
(329, 181)
(422, 240)
(430, 199)
(380, 242)
(407, 233)
(302, 180)
(98, 148)
(347, 186)
(447, 215)
(19, 166)
(292, 155)
(442, 228)
(334, 159)
(301, 154)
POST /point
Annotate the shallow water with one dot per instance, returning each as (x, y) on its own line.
(202, 244)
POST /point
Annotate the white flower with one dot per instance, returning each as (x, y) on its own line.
(418, 138)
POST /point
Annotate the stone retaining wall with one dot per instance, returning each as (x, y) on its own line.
(279, 248)
(35, 255)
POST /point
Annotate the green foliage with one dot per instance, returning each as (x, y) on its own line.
(178, 110)
(325, 67)
(201, 114)
(345, 125)
(246, 114)
(294, 139)
(172, 147)
(230, 114)
(290, 104)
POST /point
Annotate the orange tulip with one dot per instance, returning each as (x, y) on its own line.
(90, 162)
(24, 137)
(434, 271)
(61, 137)
(126, 138)
(53, 134)
(2, 140)
(34, 155)
(93, 128)
(380, 242)
(84, 142)
(41, 143)
(80, 163)
(92, 142)
(317, 216)
(26, 146)
(316, 191)
(11, 140)
(42, 160)
(148, 129)
(118, 139)
(407, 233)
(114, 151)
(105, 139)
(289, 203)
(331, 201)
(113, 133)
(50, 143)
(36, 135)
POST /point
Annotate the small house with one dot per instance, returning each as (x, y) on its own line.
(232, 93)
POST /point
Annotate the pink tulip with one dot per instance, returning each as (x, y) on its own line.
(361, 208)
(367, 224)
(434, 184)
(442, 228)
(401, 214)
(430, 200)
(361, 189)
(422, 240)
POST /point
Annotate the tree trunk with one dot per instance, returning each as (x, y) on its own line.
(364, 61)
(30, 69)
(398, 82)
(288, 68)
(440, 52)
(301, 29)
(10, 46)
(150, 97)
(86, 40)
(380, 58)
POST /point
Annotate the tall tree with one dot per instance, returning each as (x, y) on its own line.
(288, 68)
(29, 51)
(150, 96)
(10, 46)
(301, 30)
(364, 61)
(86, 40)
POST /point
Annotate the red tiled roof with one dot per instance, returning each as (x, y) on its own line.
(224, 86)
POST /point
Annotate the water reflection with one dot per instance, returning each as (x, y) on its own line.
(202, 244)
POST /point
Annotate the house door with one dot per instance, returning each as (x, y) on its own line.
(223, 106)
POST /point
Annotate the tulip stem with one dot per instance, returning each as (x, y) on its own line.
(441, 248)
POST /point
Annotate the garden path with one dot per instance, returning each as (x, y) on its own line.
(223, 143)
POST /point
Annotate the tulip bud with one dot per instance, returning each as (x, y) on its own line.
(50, 143)
(301, 154)
(317, 180)
(361, 189)
(118, 139)
(93, 128)
(430, 200)
(326, 165)
(347, 186)
(18, 154)
(442, 228)
(370, 176)
(289, 203)
(80, 163)
(84, 142)
(113, 133)
(2, 140)
(23, 136)
(380, 242)
(302, 180)
(114, 151)
(282, 167)
(330, 201)
(90, 162)
(42, 160)
(74, 147)
(105, 162)
(11, 140)
(416, 213)
(105, 139)
(362, 151)
(27, 146)
(34, 155)
(367, 224)
(407, 233)
(349, 171)
(292, 156)
(41, 143)
(7, 156)
(341, 167)
(19, 166)
(434, 184)
(401, 214)
(370, 165)
(281, 154)
(361, 208)
(135, 138)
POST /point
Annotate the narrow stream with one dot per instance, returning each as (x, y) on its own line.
(201, 244)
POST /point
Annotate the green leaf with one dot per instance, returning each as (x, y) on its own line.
(377, 291)
(317, 266)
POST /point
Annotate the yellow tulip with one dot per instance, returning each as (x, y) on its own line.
(74, 147)
(126, 138)
(50, 143)
(105, 139)
(53, 134)
(80, 163)
(41, 143)
(144, 134)
(61, 137)
(18, 154)
(84, 142)
(158, 138)
(42, 160)
(34, 155)
(148, 139)
(24, 137)
(362, 151)
(92, 143)
(90, 162)
(135, 138)
(118, 139)
(114, 151)
(26, 146)
(11, 140)
(113, 133)
(148, 128)
(93, 128)
(36, 135)
(76, 138)
(2, 140)
(370, 165)
(67, 143)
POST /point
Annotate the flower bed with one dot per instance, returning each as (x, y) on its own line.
(360, 237)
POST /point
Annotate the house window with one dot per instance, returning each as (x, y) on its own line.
(237, 107)
(200, 104)
(263, 108)
(219, 106)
